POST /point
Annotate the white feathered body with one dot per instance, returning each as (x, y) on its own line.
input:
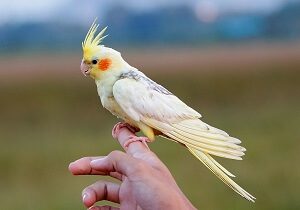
(128, 94)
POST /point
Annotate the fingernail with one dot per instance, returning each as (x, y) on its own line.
(97, 162)
(84, 197)
(70, 166)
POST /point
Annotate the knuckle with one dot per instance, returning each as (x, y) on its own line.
(115, 153)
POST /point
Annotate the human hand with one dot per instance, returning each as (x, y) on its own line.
(146, 183)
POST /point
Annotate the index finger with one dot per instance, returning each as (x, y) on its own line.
(117, 161)
(83, 167)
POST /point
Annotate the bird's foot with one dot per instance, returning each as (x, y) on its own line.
(132, 139)
(116, 129)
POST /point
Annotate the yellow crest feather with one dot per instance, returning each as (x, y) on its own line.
(92, 42)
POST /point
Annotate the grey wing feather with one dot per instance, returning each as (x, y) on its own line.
(141, 98)
(139, 76)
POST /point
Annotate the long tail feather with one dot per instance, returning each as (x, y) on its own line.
(220, 172)
(203, 147)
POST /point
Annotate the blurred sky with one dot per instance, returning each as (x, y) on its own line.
(32, 25)
(35, 10)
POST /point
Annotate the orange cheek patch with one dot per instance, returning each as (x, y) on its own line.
(104, 64)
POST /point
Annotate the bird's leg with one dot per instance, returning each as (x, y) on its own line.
(116, 129)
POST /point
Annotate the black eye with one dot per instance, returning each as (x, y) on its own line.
(94, 61)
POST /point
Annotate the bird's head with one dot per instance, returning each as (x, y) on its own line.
(98, 60)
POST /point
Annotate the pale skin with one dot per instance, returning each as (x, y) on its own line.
(146, 183)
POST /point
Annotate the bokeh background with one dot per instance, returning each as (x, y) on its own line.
(237, 62)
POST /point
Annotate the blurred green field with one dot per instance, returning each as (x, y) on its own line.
(47, 123)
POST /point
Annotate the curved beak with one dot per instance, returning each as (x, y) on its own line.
(85, 68)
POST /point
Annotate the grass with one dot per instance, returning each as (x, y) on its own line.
(47, 123)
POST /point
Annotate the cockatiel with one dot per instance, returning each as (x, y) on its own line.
(147, 106)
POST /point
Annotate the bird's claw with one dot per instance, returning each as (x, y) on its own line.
(132, 139)
(116, 129)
